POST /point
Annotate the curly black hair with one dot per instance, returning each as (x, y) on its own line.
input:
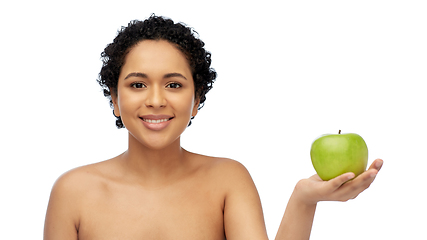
(156, 28)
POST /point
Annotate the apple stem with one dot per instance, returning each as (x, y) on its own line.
(339, 132)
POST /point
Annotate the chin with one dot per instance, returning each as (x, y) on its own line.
(158, 143)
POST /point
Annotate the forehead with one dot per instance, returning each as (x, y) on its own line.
(156, 55)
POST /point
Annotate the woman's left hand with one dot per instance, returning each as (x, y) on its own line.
(341, 188)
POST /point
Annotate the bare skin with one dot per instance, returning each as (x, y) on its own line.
(104, 202)
(158, 190)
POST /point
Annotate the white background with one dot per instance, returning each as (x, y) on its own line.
(288, 71)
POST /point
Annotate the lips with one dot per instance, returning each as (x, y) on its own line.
(156, 122)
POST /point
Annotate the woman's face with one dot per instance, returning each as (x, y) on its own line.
(155, 93)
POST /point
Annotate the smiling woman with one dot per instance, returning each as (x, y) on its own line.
(144, 91)
(156, 74)
(157, 28)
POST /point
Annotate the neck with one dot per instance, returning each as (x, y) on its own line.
(157, 166)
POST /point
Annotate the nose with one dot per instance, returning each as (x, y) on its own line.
(155, 98)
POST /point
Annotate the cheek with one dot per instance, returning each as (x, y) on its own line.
(128, 102)
(183, 104)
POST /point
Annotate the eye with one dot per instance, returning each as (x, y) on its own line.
(137, 85)
(174, 85)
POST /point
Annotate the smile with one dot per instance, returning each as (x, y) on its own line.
(154, 120)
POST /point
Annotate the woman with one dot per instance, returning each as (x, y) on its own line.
(156, 74)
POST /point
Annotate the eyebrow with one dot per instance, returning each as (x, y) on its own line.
(143, 75)
(170, 75)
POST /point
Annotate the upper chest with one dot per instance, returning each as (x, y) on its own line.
(190, 209)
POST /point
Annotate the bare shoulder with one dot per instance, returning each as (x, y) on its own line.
(217, 163)
(70, 188)
(65, 206)
(224, 170)
(77, 184)
(81, 178)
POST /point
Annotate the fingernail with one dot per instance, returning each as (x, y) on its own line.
(379, 164)
(373, 175)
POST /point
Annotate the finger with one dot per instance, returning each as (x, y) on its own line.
(371, 172)
(337, 182)
(377, 164)
(354, 187)
(365, 178)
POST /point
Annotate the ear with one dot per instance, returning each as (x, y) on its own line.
(195, 107)
(115, 103)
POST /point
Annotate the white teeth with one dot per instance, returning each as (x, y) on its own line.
(155, 121)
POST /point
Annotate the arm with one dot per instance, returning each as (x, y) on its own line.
(61, 217)
(298, 218)
(243, 216)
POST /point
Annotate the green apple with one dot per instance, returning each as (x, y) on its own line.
(335, 154)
